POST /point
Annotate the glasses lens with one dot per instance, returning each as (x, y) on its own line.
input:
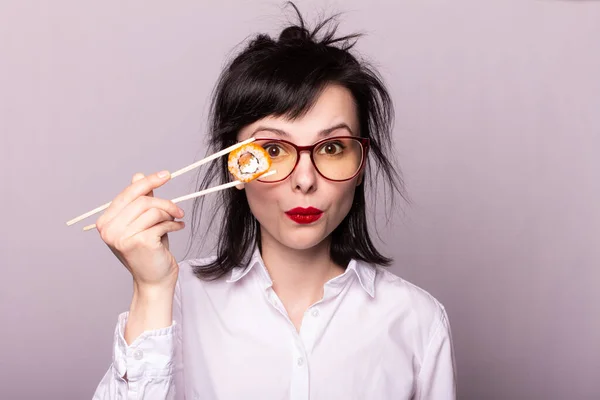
(338, 158)
(283, 158)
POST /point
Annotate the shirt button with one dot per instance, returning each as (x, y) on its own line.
(315, 312)
(300, 361)
(138, 354)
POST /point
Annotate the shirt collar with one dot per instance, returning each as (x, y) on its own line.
(364, 272)
(239, 272)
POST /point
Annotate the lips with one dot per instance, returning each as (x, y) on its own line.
(304, 211)
(304, 215)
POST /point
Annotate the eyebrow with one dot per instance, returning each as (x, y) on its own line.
(323, 133)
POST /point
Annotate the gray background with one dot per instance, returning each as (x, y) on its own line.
(498, 121)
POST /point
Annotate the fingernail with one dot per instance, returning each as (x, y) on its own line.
(181, 212)
(163, 174)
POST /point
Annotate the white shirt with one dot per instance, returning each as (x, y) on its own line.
(373, 336)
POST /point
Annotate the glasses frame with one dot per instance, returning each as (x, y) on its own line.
(364, 142)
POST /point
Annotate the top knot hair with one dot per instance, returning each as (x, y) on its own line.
(323, 34)
(294, 33)
(322, 37)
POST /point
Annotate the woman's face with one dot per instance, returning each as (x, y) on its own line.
(271, 203)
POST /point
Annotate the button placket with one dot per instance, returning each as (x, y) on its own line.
(310, 327)
(300, 377)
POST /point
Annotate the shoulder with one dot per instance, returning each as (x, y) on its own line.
(388, 283)
(409, 301)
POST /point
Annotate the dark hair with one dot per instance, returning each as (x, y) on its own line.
(284, 77)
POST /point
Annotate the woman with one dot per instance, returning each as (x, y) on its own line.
(296, 303)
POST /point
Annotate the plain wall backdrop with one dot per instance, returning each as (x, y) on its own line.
(497, 133)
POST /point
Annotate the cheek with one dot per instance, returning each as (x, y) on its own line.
(261, 199)
(347, 200)
(342, 196)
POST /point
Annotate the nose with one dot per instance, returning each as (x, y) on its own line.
(304, 177)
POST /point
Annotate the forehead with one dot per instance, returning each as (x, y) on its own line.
(335, 106)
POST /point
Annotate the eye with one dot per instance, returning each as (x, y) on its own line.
(331, 148)
(275, 150)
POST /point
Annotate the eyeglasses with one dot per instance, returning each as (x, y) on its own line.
(336, 159)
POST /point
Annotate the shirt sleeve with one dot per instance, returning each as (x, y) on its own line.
(152, 363)
(437, 377)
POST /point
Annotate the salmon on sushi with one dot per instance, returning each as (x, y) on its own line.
(248, 162)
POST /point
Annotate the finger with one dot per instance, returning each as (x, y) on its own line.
(140, 187)
(159, 230)
(108, 215)
(147, 220)
(139, 206)
(136, 177)
(139, 176)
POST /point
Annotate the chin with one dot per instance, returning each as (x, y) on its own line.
(303, 239)
(298, 245)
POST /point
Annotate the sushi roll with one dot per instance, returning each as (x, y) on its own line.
(248, 162)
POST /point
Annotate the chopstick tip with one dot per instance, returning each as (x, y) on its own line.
(89, 227)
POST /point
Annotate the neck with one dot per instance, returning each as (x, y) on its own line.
(298, 275)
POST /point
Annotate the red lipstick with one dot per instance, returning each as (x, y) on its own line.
(304, 215)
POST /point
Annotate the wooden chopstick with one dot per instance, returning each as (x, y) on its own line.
(200, 193)
(173, 175)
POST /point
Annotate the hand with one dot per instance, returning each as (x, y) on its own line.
(135, 227)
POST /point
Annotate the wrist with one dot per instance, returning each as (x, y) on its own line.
(157, 289)
(152, 306)
(145, 293)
